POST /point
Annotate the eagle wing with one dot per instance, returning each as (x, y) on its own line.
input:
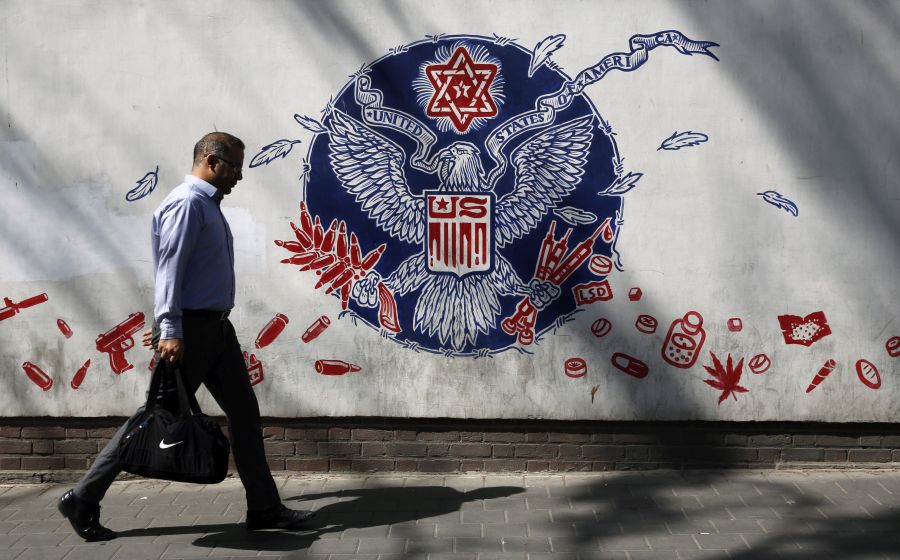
(370, 167)
(548, 167)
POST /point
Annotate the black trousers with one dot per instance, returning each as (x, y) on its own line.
(212, 356)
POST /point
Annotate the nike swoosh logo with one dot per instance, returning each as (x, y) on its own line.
(164, 445)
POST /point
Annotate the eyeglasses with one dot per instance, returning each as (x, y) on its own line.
(230, 163)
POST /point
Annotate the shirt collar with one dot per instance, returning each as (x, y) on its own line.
(204, 187)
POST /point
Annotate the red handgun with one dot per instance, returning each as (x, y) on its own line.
(119, 339)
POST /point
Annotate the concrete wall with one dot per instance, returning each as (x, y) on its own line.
(98, 100)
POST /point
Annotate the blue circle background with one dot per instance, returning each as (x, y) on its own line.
(394, 74)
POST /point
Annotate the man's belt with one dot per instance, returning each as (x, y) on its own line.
(206, 314)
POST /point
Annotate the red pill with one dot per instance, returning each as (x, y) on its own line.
(630, 365)
(760, 363)
(601, 328)
(893, 346)
(646, 324)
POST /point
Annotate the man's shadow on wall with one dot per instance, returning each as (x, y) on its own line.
(357, 509)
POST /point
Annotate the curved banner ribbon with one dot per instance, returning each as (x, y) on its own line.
(375, 114)
(547, 106)
(544, 114)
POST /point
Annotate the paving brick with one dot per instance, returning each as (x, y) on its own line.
(526, 544)
(339, 433)
(603, 452)
(406, 449)
(769, 440)
(800, 454)
(15, 447)
(438, 465)
(372, 465)
(43, 463)
(10, 432)
(470, 450)
(44, 447)
(437, 449)
(505, 437)
(281, 448)
(458, 530)
(319, 465)
(44, 432)
(372, 449)
(438, 436)
(564, 437)
(339, 449)
(479, 544)
(824, 440)
(363, 434)
(537, 451)
(870, 456)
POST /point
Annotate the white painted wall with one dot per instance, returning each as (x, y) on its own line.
(804, 101)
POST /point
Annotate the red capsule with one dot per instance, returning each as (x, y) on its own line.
(37, 376)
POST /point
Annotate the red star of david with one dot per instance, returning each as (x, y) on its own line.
(461, 90)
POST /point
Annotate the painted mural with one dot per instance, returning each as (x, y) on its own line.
(464, 198)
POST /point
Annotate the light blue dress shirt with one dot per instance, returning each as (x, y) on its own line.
(193, 255)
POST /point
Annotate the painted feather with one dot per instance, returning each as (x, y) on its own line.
(310, 124)
(622, 184)
(275, 150)
(778, 200)
(683, 140)
(145, 186)
(543, 50)
(574, 216)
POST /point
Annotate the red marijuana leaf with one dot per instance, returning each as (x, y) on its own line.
(726, 378)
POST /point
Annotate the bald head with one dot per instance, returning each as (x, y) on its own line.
(219, 144)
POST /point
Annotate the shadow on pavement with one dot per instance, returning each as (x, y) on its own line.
(356, 509)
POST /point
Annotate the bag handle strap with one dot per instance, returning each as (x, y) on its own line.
(155, 382)
(187, 401)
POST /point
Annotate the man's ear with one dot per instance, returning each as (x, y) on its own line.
(210, 161)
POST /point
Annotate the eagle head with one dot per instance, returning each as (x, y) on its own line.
(460, 169)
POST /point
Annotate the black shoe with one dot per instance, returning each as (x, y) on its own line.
(84, 517)
(278, 517)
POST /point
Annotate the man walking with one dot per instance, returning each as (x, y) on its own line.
(193, 257)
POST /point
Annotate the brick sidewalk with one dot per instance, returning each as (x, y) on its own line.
(660, 515)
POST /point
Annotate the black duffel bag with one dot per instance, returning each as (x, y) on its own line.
(183, 445)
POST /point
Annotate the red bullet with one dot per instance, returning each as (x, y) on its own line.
(315, 329)
(79, 375)
(271, 331)
(335, 367)
(37, 375)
